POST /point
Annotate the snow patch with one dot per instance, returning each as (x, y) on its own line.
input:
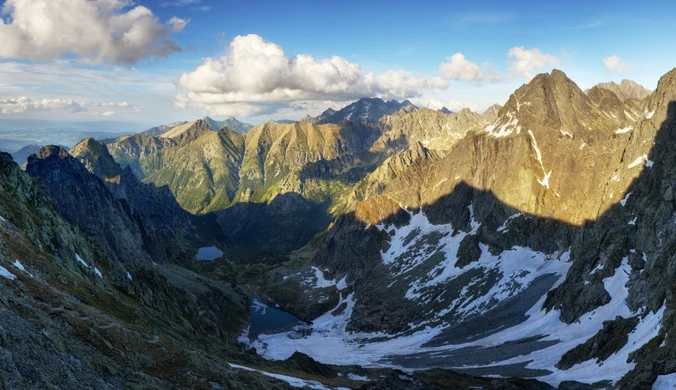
(129, 276)
(545, 180)
(506, 129)
(98, 273)
(342, 284)
(565, 134)
(258, 306)
(79, 260)
(6, 274)
(624, 200)
(505, 225)
(650, 114)
(356, 377)
(319, 281)
(17, 264)
(292, 381)
(633, 221)
(639, 160)
(665, 382)
(624, 130)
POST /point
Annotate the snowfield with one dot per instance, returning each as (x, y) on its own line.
(330, 343)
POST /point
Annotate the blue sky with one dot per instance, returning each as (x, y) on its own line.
(184, 58)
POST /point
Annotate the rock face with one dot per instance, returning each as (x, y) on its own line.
(491, 112)
(102, 321)
(168, 231)
(560, 210)
(85, 202)
(365, 109)
(230, 122)
(627, 89)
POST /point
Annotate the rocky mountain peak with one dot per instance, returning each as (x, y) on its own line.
(627, 89)
(51, 151)
(552, 101)
(491, 113)
(96, 158)
(445, 110)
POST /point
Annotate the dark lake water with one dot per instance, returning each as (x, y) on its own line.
(209, 253)
(266, 319)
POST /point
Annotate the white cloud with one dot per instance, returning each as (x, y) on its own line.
(99, 31)
(257, 74)
(23, 104)
(616, 64)
(111, 104)
(524, 62)
(459, 68)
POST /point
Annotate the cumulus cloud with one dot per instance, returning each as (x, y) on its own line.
(459, 68)
(108, 113)
(23, 104)
(256, 74)
(100, 31)
(615, 64)
(524, 62)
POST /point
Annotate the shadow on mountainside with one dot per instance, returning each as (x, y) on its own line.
(288, 222)
(641, 228)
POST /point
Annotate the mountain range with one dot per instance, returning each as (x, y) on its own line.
(528, 247)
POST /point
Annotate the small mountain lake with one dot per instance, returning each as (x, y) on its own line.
(209, 253)
(266, 319)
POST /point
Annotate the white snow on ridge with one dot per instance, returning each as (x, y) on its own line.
(292, 381)
(650, 114)
(6, 274)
